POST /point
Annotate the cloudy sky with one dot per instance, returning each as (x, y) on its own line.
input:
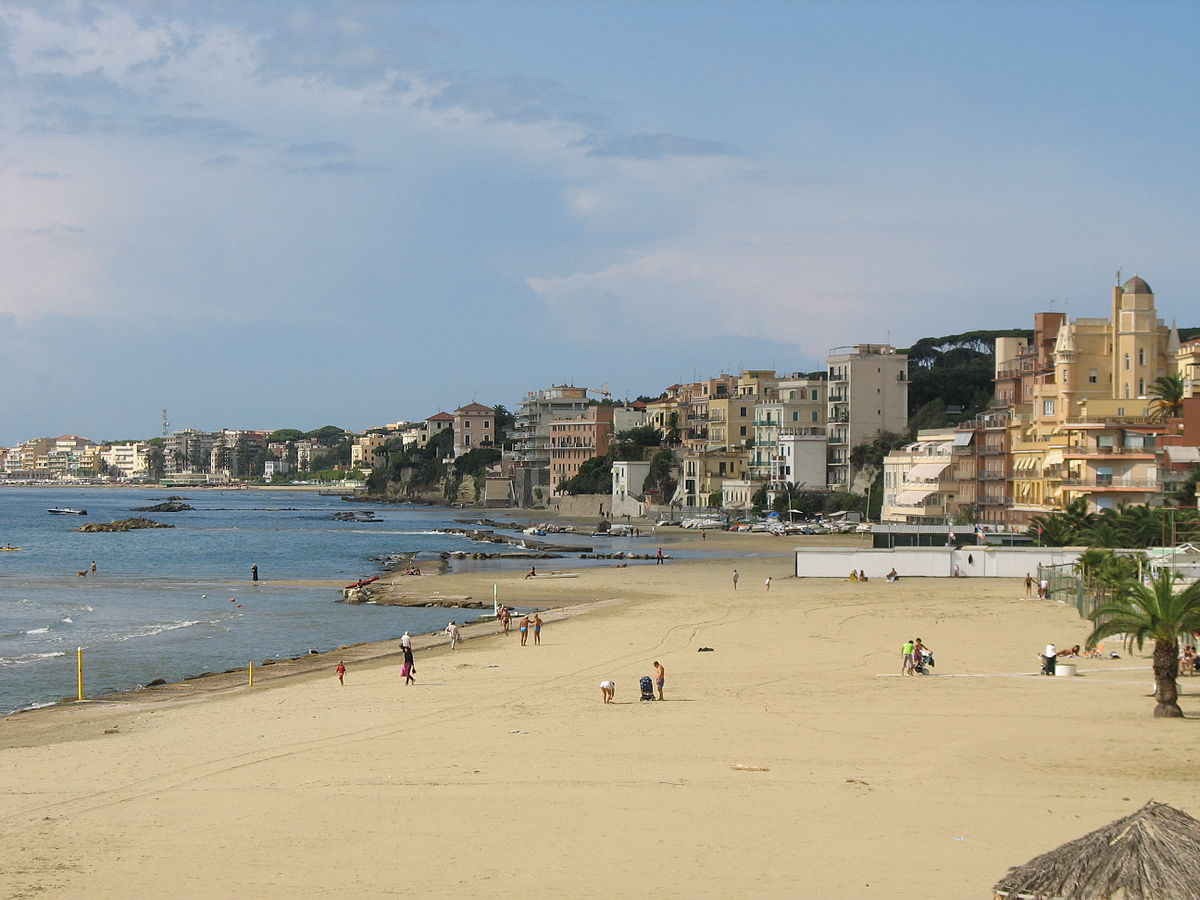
(289, 214)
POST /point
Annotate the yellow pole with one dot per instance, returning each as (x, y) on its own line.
(251, 684)
(79, 672)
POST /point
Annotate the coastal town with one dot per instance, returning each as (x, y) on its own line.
(1103, 409)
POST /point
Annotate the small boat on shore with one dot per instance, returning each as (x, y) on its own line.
(66, 511)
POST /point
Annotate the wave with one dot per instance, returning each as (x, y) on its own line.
(68, 620)
(157, 628)
(78, 607)
(28, 658)
(43, 630)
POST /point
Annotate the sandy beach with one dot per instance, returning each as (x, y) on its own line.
(791, 761)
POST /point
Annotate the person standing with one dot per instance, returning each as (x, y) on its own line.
(658, 557)
(1028, 585)
(537, 629)
(341, 673)
(254, 572)
(93, 567)
(453, 632)
(906, 657)
(523, 627)
(405, 641)
(736, 577)
(409, 669)
(1050, 660)
(660, 678)
(505, 619)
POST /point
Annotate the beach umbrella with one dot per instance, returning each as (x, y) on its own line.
(1152, 854)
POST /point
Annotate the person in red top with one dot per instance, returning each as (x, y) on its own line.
(341, 672)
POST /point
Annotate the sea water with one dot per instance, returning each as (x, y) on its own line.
(175, 602)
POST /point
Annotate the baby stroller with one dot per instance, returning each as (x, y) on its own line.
(647, 688)
(924, 664)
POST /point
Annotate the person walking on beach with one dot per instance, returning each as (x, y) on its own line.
(341, 672)
(405, 641)
(409, 669)
(505, 619)
(660, 678)
(768, 583)
(453, 632)
(254, 572)
(607, 689)
(1028, 585)
(537, 629)
(523, 627)
(736, 576)
(906, 657)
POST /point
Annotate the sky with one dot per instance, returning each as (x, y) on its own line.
(258, 214)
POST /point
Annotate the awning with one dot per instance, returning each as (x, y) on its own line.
(912, 498)
(926, 472)
(963, 438)
(1054, 458)
(1182, 454)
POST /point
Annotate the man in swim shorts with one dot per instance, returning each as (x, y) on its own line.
(537, 629)
(660, 678)
(523, 627)
(607, 689)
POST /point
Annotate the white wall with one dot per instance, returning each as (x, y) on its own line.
(931, 562)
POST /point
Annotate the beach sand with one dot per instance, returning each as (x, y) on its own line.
(791, 761)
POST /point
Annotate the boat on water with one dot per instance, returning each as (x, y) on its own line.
(66, 511)
(9, 549)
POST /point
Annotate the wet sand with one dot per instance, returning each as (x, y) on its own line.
(790, 761)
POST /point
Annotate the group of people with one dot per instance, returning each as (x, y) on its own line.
(412, 570)
(1043, 587)
(608, 687)
(860, 575)
(525, 625)
(915, 658)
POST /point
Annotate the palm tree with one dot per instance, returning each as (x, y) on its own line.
(1161, 613)
(1167, 392)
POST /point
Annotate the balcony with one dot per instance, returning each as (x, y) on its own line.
(1103, 483)
(990, 451)
(992, 476)
(995, 500)
(1079, 450)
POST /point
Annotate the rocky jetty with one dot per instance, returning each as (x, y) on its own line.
(621, 554)
(463, 554)
(167, 506)
(123, 525)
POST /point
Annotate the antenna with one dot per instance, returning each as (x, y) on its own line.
(166, 424)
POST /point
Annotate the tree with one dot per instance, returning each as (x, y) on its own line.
(283, 435)
(1167, 391)
(156, 463)
(1158, 612)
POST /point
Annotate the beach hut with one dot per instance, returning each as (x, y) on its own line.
(1152, 854)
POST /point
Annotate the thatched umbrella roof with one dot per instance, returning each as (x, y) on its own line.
(1153, 854)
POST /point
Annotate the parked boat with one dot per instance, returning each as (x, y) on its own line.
(66, 511)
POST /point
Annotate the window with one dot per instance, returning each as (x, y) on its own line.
(795, 415)
(814, 394)
(1066, 375)
(1047, 407)
(1141, 356)
(743, 412)
(1127, 361)
(1141, 387)
(1093, 375)
(743, 431)
(814, 416)
(1127, 388)
(791, 395)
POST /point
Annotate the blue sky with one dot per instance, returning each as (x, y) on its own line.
(285, 214)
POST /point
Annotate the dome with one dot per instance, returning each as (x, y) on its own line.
(1136, 285)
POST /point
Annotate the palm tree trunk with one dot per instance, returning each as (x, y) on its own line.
(1166, 670)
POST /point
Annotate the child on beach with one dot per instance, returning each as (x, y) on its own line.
(607, 689)
(341, 672)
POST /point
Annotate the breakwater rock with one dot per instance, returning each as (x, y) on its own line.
(123, 525)
(168, 506)
(621, 554)
(463, 554)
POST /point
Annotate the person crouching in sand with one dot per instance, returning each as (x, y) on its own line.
(607, 689)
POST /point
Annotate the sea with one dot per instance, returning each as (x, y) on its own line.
(172, 603)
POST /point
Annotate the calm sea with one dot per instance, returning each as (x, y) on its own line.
(172, 603)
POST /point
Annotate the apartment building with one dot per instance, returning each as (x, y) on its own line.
(531, 426)
(797, 407)
(474, 426)
(126, 460)
(867, 395)
(188, 451)
(919, 484)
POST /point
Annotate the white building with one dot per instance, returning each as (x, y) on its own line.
(868, 395)
(918, 480)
